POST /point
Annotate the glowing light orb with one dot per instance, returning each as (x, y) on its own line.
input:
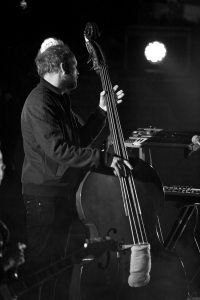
(48, 43)
(155, 52)
(23, 4)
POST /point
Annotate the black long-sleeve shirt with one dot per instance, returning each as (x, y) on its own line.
(56, 146)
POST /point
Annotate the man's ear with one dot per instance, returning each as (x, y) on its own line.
(64, 68)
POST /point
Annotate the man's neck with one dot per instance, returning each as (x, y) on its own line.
(52, 78)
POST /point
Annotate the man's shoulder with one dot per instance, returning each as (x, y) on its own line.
(38, 102)
(39, 94)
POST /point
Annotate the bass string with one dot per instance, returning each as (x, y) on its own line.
(113, 114)
(133, 220)
(108, 88)
(129, 194)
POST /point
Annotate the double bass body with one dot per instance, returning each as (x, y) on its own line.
(126, 209)
(100, 208)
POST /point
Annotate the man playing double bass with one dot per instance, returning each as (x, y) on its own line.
(57, 152)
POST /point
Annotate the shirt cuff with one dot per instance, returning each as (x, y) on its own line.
(101, 113)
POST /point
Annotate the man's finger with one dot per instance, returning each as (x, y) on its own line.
(102, 94)
(115, 88)
(116, 173)
(128, 164)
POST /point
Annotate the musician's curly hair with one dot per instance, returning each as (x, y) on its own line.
(49, 61)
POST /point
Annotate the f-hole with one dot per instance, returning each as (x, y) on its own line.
(100, 266)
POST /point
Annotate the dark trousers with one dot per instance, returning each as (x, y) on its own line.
(49, 222)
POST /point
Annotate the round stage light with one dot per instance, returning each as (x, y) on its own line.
(155, 52)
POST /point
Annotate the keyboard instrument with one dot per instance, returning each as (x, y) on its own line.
(176, 190)
(152, 137)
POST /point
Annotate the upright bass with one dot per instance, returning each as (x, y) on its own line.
(126, 209)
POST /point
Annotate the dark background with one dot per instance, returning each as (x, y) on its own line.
(167, 97)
